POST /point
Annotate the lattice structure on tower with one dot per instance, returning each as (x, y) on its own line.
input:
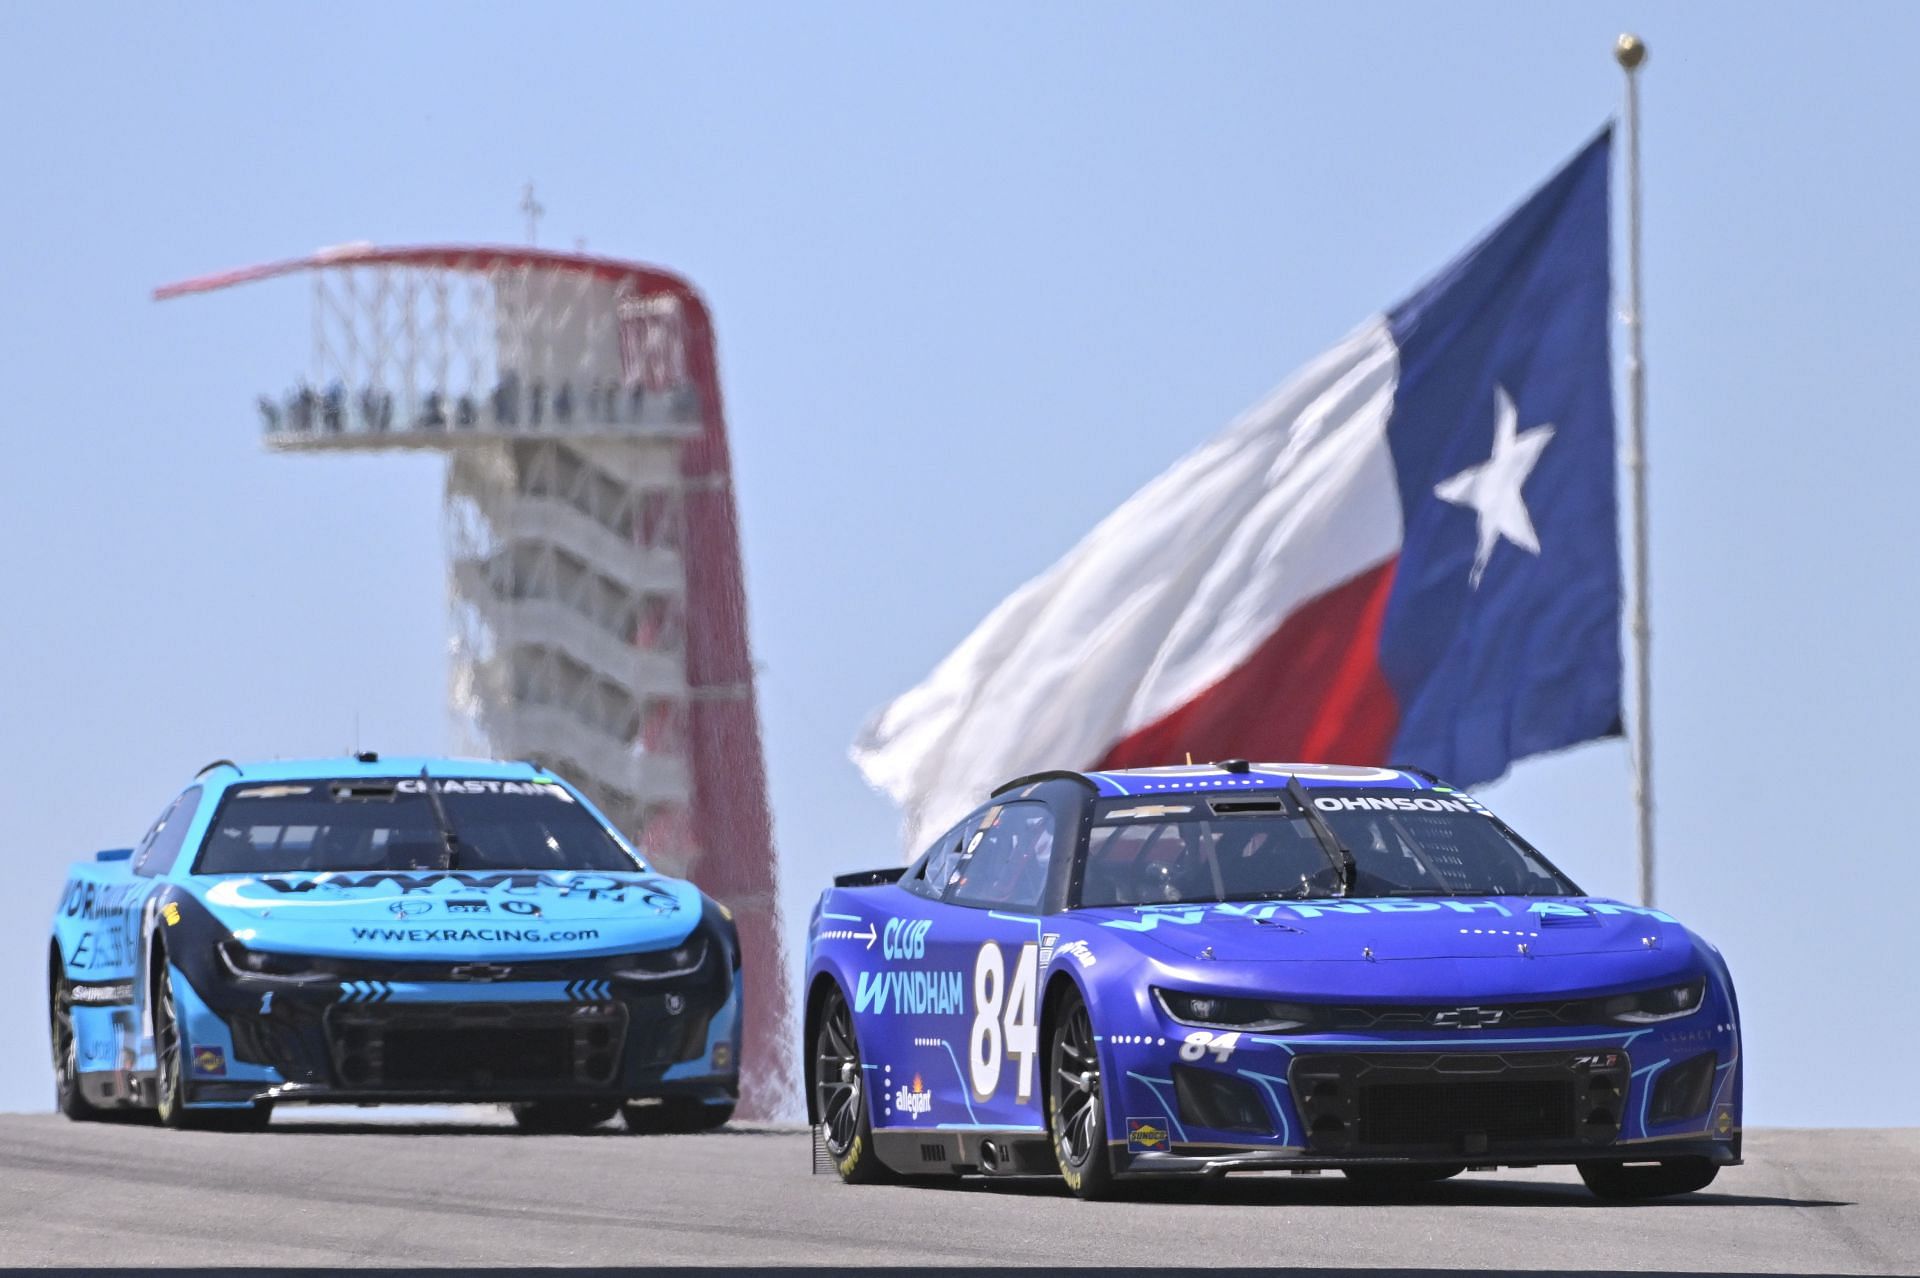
(598, 606)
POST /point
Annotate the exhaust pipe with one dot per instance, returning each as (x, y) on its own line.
(992, 1160)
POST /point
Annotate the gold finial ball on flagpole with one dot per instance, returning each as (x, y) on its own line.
(1629, 50)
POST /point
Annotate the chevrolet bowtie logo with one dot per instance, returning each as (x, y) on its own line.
(480, 972)
(1467, 1018)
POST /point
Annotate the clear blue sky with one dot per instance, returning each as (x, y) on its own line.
(978, 272)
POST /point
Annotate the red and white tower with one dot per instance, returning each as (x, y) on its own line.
(598, 603)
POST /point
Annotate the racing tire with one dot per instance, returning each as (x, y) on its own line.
(170, 1080)
(68, 1098)
(169, 1075)
(840, 1096)
(1624, 1181)
(562, 1116)
(1076, 1110)
(1385, 1178)
(675, 1115)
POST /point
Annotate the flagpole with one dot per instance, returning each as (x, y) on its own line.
(1631, 53)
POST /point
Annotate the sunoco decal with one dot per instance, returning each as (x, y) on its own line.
(1146, 1135)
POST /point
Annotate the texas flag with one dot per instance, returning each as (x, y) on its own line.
(1405, 554)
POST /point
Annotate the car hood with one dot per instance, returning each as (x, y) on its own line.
(1439, 942)
(460, 913)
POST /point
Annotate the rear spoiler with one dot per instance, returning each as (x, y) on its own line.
(870, 878)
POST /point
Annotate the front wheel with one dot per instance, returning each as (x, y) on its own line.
(676, 1114)
(840, 1096)
(1649, 1180)
(170, 1084)
(562, 1116)
(1076, 1114)
(170, 1079)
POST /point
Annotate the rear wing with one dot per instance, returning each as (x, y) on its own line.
(870, 878)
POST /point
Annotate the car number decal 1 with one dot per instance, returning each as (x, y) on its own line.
(1003, 1021)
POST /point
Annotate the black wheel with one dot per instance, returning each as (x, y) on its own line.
(1649, 1180)
(170, 1079)
(1401, 1177)
(840, 1095)
(563, 1115)
(170, 1103)
(1076, 1113)
(672, 1114)
(66, 1050)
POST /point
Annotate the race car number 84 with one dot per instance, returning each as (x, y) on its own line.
(1003, 1021)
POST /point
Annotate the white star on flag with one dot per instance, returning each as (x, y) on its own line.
(1492, 489)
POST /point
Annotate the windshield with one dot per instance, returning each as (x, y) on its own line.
(1184, 848)
(293, 827)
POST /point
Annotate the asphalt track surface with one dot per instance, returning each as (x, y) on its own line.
(327, 1188)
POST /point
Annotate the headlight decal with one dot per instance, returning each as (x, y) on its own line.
(1215, 1011)
(1651, 1007)
(265, 965)
(663, 965)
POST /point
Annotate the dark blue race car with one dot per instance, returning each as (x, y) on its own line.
(1255, 967)
(368, 930)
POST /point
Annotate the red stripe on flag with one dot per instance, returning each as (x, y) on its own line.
(1312, 693)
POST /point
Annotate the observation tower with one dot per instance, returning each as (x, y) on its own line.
(598, 605)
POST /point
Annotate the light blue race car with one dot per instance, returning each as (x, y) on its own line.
(402, 930)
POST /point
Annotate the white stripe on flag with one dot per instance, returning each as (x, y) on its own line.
(1167, 595)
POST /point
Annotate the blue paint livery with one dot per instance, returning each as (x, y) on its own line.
(954, 1005)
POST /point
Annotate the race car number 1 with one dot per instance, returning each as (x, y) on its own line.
(1003, 1021)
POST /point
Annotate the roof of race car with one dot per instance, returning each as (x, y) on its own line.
(225, 772)
(1236, 774)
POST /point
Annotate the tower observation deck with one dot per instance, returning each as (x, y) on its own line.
(598, 604)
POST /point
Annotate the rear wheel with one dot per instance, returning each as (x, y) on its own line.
(1076, 1114)
(672, 1114)
(563, 1116)
(68, 1097)
(840, 1095)
(1649, 1180)
(1401, 1177)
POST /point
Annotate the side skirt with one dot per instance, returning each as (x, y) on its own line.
(931, 1151)
(116, 1089)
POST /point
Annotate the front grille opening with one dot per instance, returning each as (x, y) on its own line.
(479, 1054)
(1683, 1091)
(1435, 1113)
(475, 1048)
(1219, 1102)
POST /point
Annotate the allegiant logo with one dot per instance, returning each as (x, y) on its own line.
(915, 1101)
